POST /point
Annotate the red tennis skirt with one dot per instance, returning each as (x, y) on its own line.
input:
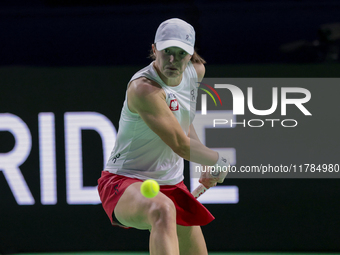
(189, 211)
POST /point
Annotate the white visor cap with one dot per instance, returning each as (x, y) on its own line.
(175, 33)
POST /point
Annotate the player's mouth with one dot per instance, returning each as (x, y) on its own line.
(172, 68)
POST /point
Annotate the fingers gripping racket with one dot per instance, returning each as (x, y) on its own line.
(201, 188)
(220, 175)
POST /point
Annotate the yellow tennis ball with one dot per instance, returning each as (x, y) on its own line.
(149, 188)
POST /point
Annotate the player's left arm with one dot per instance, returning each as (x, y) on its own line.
(200, 70)
(192, 133)
(206, 178)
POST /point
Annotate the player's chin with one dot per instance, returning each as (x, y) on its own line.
(172, 73)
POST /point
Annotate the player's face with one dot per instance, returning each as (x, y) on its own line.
(172, 61)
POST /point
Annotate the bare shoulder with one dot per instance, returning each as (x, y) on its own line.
(200, 70)
(142, 87)
(143, 93)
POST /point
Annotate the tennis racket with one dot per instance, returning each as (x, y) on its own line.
(199, 191)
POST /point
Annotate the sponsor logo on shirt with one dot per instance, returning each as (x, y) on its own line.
(193, 97)
(171, 95)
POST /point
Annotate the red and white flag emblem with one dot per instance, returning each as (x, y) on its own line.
(174, 105)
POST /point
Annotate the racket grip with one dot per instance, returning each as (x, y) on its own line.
(199, 191)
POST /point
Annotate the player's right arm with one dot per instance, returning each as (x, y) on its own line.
(147, 98)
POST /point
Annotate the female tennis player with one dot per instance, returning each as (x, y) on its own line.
(155, 135)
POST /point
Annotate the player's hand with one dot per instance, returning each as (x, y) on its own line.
(207, 179)
(222, 168)
(218, 173)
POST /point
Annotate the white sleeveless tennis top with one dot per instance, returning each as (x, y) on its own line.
(138, 151)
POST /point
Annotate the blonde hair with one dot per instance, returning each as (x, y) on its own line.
(195, 58)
